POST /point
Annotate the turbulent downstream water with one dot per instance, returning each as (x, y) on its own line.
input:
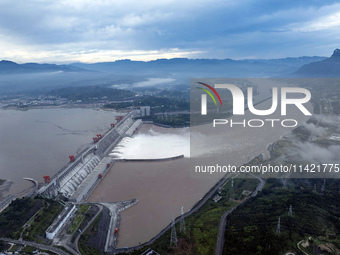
(38, 142)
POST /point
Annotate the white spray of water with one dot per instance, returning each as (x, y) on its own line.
(153, 145)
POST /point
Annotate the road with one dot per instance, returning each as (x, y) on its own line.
(223, 221)
(37, 245)
(88, 224)
(298, 245)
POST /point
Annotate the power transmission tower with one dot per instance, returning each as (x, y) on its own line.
(182, 223)
(290, 212)
(232, 189)
(278, 228)
(173, 238)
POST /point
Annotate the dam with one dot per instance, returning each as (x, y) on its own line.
(81, 175)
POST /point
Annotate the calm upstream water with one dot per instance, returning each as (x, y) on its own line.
(38, 142)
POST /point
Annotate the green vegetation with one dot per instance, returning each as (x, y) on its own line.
(37, 212)
(39, 224)
(253, 231)
(79, 217)
(205, 224)
(88, 213)
(14, 248)
(17, 214)
(75, 223)
(84, 208)
(29, 249)
(83, 241)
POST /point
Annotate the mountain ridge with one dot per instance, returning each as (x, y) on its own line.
(205, 67)
(329, 67)
(194, 67)
(10, 67)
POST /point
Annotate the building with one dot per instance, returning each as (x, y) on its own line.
(142, 111)
(59, 221)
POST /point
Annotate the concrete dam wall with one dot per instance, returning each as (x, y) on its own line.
(151, 159)
(75, 179)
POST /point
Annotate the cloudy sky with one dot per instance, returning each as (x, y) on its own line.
(63, 31)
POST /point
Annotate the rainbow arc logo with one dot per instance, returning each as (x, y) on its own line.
(204, 97)
(209, 93)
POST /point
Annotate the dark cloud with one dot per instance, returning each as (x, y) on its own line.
(65, 30)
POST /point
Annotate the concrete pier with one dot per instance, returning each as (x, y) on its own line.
(115, 209)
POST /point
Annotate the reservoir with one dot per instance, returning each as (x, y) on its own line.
(38, 142)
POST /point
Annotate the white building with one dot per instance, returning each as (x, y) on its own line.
(142, 111)
(59, 221)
